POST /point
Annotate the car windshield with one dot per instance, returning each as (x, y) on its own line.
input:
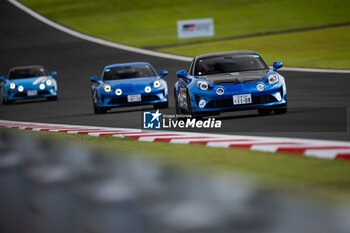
(125, 72)
(28, 73)
(229, 64)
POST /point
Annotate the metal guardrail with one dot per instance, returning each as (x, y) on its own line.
(48, 187)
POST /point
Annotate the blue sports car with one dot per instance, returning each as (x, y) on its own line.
(229, 81)
(28, 82)
(129, 84)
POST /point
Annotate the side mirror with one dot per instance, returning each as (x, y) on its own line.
(181, 74)
(94, 79)
(277, 65)
(53, 73)
(2, 79)
(163, 73)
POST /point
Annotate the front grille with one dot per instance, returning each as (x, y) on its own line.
(124, 100)
(20, 94)
(264, 99)
(236, 81)
(222, 103)
(24, 94)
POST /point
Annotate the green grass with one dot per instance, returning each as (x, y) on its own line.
(153, 23)
(303, 49)
(328, 178)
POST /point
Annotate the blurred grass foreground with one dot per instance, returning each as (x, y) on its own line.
(52, 186)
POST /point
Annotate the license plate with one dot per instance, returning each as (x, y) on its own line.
(134, 98)
(242, 99)
(32, 92)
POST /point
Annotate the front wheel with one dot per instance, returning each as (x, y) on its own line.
(52, 98)
(264, 111)
(189, 106)
(99, 110)
(96, 105)
(177, 109)
(5, 100)
(280, 110)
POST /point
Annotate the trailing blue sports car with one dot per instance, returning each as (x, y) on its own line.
(28, 82)
(129, 84)
(229, 81)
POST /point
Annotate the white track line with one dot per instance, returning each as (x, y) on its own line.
(138, 50)
(94, 39)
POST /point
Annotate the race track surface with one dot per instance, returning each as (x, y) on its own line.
(318, 102)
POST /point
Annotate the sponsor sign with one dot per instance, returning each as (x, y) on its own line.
(195, 28)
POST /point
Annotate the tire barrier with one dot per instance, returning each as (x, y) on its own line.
(52, 187)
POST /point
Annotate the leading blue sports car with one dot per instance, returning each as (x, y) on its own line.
(229, 81)
(129, 84)
(28, 82)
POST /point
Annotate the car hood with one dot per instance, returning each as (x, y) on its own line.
(236, 77)
(131, 82)
(28, 81)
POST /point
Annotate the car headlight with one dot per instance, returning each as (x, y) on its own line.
(157, 84)
(42, 86)
(118, 92)
(49, 82)
(12, 85)
(203, 85)
(272, 79)
(148, 89)
(107, 88)
(20, 88)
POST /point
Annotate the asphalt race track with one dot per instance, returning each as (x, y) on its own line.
(318, 102)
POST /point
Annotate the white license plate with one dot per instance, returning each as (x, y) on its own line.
(134, 98)
(32, 92)
(242, 99)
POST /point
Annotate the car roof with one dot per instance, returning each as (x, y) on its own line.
(128, 64)
(27, 67)
(237, 52)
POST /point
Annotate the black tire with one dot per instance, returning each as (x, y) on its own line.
(177, 109)
(99, 110)
(264, 111)
(102, 110)
(161, 105)
(189, 106)
(2, 98)
(280, 110)
(52, 98)
(96, 105)
(5, 100)
(95, 108)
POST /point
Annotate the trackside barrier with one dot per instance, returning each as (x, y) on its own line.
(52, 187)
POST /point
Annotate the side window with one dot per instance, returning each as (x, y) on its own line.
(190, 71)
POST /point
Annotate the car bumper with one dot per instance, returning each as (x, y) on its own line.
(154, 97)
(16, 95)
(271, 97)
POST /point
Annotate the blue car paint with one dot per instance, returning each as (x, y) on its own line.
(188, 83)
(29, 84)
(130, 86)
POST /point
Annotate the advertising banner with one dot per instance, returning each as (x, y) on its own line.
(195, 28)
